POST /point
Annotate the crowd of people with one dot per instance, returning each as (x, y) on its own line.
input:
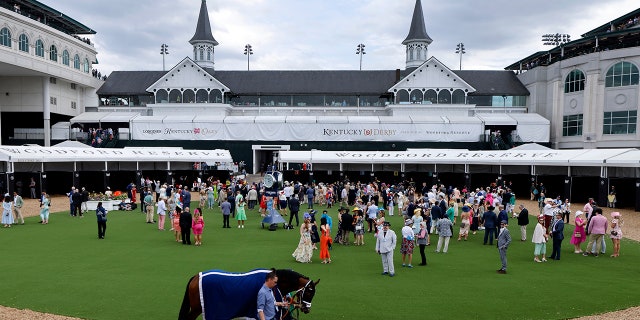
(424, 211)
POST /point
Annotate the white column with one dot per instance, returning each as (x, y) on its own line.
(46, 112)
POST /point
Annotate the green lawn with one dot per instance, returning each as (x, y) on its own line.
(138, 272)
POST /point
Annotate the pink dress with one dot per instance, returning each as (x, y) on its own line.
(580, 229)
(197, 226)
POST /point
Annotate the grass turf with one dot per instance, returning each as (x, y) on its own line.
(139, 272)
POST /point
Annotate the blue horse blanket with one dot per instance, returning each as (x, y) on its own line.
(226, 295)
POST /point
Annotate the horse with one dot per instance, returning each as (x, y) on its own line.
(242, 289)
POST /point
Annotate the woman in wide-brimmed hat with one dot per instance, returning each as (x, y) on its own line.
(579, 236)
(616, 233)
(465, 223)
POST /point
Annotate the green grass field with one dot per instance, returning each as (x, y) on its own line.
(138, 272)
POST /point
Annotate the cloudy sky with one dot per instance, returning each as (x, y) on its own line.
(323, 34)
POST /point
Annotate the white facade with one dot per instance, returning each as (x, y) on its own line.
(548, 98)
(53, 74)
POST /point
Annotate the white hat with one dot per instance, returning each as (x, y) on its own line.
(578, 213)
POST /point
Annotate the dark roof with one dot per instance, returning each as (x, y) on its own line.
(203, 28)
(489, 82)
(309, 82)
(417, 31)
(48, 16)
(345, 82)
(129, 82)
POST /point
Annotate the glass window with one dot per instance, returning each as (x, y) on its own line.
(39, 48)
(189, 96)
(622, 74)
(23, 43)
(162, 96)
(76, 62)
(416, 96)
(5, 37)
(431, 96)
(86, 66)
(53, 53)
(572, 125)
(620, 122)
(444, 97)
(574, 81)
(402, 96)
(175, 96)
(65, 57)
(202, 96)
(458, 97)
(215, 96)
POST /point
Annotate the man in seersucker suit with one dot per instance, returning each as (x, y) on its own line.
(385, 244)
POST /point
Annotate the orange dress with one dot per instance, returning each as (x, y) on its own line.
(325, 239)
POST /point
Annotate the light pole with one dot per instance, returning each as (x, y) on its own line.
(460, 51)
(557, 39)
(164, 50)
(360, 52)
(248, 51)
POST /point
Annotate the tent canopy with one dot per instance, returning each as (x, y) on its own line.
(523, 157)
(74, 154)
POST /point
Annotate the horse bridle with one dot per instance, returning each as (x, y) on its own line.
(300, 292)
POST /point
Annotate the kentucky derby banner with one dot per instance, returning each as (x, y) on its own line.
(251, 131)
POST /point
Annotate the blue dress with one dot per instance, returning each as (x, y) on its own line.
(7, 215)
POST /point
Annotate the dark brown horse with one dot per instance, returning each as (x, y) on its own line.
(301, 288)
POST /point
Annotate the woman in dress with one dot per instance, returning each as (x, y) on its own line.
(197, 224)
(407, 243)
(7, 214)
(175, 221)
(416, 219)
(540, 240)
(304, 251)
(401, 201)
(44, 211)
(616, 233)
(464, 223)
(203, 197)
(210, 198)
(579, 236)
(241, 216)
(359, 228)
(325, 240)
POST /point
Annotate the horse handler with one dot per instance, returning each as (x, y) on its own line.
(385, 244)
(266, 300)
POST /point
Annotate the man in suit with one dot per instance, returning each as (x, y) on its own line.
(185, 224)
(557, 234)
(523, 221)
(504, 239)
(490, 223)
(294, 208)
(385, 244)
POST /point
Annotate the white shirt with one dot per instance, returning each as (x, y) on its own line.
(407, 232)
(162, 208)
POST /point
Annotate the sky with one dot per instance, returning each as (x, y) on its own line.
(324, 34)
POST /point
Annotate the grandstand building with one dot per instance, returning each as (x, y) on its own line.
(255, 114)
(46, 70)
(589, 87)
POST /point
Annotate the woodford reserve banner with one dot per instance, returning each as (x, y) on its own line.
(250, 131)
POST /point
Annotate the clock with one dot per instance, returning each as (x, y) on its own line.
(269, 180)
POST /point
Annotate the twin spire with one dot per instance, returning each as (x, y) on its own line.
(416, 42)
(203, 41)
